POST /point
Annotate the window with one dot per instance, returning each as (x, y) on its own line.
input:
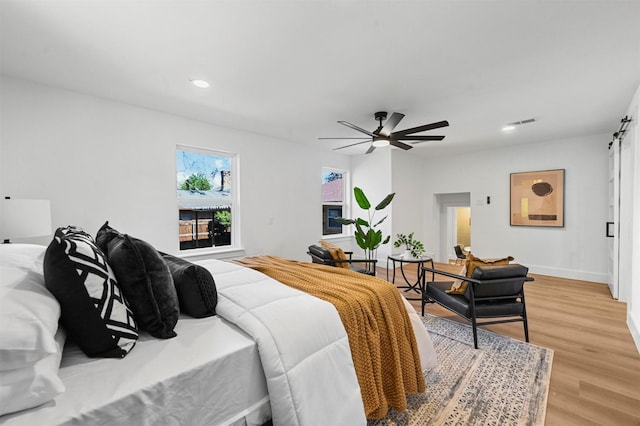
(207, 198)
(333, 200)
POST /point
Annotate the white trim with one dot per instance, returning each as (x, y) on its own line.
(210, 253)
(634, 328)
(573, 274)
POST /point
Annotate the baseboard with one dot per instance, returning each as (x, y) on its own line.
(569, 273)
(634, 328)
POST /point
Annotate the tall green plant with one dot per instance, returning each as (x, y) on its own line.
(367, 236)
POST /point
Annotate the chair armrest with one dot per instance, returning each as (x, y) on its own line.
(356, 261)
(451, 275)
(320, 259)
(373, 261)
(471, 280)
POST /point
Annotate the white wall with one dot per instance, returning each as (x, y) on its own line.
(578, 250)
(626, 213)
(100, 160)
(372, 173)
(407, 205)
(632, 257)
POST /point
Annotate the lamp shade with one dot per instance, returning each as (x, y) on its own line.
(22, 218)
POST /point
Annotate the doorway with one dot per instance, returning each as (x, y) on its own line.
(453, 223)
(463, 227)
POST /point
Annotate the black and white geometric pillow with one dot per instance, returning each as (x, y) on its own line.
(95, 312)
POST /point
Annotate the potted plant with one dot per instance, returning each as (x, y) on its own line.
(413, 248)
(367, 237)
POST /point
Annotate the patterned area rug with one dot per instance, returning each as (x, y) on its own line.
(504, 382)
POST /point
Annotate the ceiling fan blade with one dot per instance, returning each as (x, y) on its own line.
(353, 144)
(399, 144)
(354, 127)
(390, 124)
(362, 138)
(370, 150)
(437, 125)
(421, 138)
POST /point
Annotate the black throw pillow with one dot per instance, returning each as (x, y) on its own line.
(145, 280)
(94, 311)
(195, 286)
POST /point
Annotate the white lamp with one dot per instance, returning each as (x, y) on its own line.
(22, 218)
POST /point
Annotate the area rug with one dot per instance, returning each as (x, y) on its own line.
(504, 382)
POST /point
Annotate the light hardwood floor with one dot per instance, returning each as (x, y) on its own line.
(595, 379)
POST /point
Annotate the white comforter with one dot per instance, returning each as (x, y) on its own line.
(310, 375)
(296, 362)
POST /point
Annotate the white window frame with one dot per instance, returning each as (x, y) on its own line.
(346, 205)
(233, 202)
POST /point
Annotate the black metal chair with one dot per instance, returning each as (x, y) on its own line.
(493, 292)
(459, 254)
(321, 255)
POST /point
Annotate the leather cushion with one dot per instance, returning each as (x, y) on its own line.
(320, 252)
(492, 272)
(454, 302)
(459, 303)
(500, 280)
(471, 264)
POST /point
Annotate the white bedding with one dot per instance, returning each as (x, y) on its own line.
(293, 363)
(303, 345)
(310, 375)
(209, 374)
(428, 358)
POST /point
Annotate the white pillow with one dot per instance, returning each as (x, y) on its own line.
(29, 313)
(34, 385)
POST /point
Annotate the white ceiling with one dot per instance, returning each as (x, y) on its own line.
(291, 69)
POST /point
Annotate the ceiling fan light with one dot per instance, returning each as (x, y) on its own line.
(380, 143)
(203, 84)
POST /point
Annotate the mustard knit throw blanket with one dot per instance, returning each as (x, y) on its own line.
(383, 346)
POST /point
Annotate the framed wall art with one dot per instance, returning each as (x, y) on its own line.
(537, 198)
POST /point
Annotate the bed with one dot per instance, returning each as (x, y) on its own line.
(157, 388)
(242, 366)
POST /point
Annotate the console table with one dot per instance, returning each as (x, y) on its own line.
(405, 260)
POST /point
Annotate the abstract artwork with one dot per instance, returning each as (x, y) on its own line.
(537, 198)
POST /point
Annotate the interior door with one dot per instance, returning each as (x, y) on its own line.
(612, 225)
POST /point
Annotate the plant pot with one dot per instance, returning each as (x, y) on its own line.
(407, 254)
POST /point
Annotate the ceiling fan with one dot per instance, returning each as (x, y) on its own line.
(384, 135)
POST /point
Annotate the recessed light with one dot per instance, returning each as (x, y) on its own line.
(200, 83)
(508, 128)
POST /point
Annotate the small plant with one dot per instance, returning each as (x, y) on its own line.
(367, 237)
(414, 247)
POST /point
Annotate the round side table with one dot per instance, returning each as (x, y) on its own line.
(415, 287)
